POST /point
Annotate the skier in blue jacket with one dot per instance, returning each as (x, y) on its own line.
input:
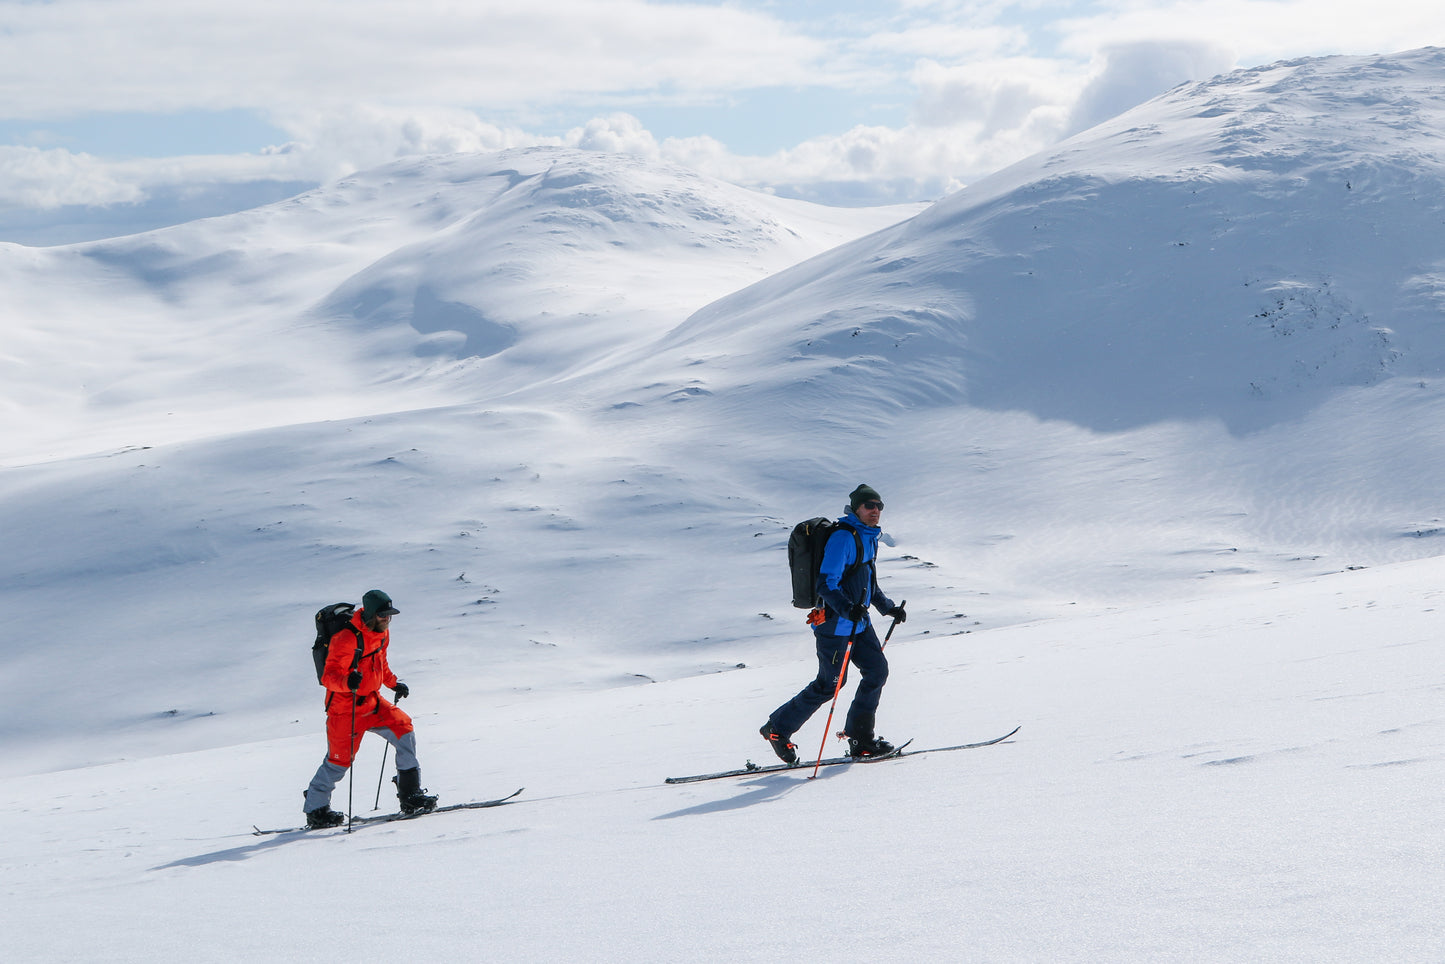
(848, 585)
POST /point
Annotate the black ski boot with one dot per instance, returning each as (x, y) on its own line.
(787, 752)
(409, 793)
(863, 747)
(323, 817)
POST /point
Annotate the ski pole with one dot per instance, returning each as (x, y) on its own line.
(376, 805)
(836, 688)
(893, 625)
(351, 767)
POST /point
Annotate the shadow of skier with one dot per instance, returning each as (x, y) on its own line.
(765, 788)
(233, 853)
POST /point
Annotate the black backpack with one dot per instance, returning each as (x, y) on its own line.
(331, 620)
(805, 555)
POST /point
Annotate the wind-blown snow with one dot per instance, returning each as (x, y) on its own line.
(1156, 416)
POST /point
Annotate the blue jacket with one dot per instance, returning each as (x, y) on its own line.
(840, 588)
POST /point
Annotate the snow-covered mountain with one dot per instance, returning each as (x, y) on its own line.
(1139, 407)
(361, 296)
(1239, 250)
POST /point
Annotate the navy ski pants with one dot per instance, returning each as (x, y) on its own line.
(872, 666)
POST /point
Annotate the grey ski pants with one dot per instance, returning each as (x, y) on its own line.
(318, 794)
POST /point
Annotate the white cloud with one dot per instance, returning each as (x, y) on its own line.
(616, 133)
(991, 95)
(43, 179)
(947, 41)
(923, 154)
(1129, 74)
(1259, 30)
(269, 54)
(328, 143)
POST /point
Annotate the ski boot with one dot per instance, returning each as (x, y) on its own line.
(861, 748)
(787, 752)
(409, 793)
(323, 817)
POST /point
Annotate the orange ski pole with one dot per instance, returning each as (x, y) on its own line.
(836, 689)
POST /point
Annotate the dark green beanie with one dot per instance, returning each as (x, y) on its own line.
(377, 603)
(864, 493)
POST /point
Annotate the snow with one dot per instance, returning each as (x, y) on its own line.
(1157, 417)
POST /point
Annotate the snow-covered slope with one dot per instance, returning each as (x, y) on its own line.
(392, 289)
(1250, 780)
(1136, 406)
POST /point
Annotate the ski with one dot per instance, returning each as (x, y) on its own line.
(389, 817)
(968, 746)
(753, 768)
(779, 767)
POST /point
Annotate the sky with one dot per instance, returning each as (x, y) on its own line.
(119, 105)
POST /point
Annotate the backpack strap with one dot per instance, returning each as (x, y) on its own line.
(857, 551)
(857, 555)
(355, 659)
(360, 645)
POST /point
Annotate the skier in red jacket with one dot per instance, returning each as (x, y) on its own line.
(356, 670)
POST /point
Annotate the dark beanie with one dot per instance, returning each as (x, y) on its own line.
(863, 493)
(377, 603)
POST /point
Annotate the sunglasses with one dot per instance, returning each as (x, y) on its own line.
(871, 505)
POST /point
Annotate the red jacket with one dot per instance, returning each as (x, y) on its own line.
(375, 672)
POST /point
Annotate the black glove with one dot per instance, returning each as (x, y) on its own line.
(401, 689)
(857, 613)
(353, 681)
(896, 613)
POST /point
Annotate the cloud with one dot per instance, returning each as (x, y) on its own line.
(617, 133)
(947, 41)
(333, 142)
(990, 96)
(158, 55)
(1129, 74)
(45, 179)
(866, 164)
